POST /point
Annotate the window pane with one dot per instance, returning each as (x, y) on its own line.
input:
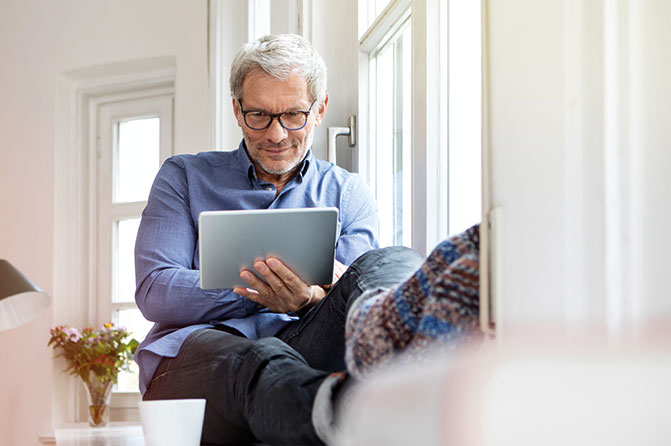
(137, 158)
(404, 167)
(390, 94)
(464, 115)
(124, 260)
(384, 143)
(133, 321)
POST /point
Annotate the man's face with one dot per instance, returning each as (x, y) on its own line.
(277, 150)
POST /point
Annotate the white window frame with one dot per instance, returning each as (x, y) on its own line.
(401, 140)
(80, 94)
(109, 116)
(429, 113)
(113, 110)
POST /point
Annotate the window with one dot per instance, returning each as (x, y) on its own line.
(465, 115)
(421, 141)
(386, 30)
(389, 89)
(134, 137)
(98, 108)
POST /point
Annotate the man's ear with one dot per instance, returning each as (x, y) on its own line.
(237, 112)
(321, 111)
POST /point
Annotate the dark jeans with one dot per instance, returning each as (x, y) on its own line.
(262, 390)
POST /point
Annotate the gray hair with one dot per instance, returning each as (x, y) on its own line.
(278, 56)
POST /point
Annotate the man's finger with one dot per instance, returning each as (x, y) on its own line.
(272, 280)
(256, 284)
(287, 276)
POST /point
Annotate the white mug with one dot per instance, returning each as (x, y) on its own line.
(172, 422)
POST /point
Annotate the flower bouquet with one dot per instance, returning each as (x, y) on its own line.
(96, 357)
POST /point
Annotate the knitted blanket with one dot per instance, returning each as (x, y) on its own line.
(438, 305)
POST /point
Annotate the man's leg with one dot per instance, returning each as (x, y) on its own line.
(319, 336)
(256, 390)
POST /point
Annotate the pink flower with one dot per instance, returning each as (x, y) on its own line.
(103, 352)
(72, 333)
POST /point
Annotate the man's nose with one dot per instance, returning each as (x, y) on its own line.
(276, 132)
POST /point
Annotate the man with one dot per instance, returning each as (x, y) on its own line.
(258, 355)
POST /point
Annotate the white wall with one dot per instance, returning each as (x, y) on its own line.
(650, 157)
(578, 162)
(526, 153)
(39, 41)
(334, 36)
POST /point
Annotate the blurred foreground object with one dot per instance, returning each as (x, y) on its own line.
(526, 395)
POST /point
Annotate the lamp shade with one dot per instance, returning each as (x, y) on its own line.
(20, 300)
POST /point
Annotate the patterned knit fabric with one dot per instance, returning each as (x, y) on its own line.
(438, 305)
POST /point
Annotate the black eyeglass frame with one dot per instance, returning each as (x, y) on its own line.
(276, 115)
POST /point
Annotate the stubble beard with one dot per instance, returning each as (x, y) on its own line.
(292, 163)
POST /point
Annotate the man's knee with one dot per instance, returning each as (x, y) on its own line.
(401, 255)
(388, 265)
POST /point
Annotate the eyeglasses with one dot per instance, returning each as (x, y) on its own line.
(290, 120)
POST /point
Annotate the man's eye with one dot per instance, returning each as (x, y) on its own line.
(256, 114)
(292, 114)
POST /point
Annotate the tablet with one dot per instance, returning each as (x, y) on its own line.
(230, 241)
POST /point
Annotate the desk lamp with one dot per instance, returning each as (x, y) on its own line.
(20, 300)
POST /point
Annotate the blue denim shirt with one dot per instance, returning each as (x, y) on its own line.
(166, 252)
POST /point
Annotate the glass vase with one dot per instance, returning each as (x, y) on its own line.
(98, 396)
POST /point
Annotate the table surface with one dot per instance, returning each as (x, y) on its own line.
(112, 435)
(116, 434)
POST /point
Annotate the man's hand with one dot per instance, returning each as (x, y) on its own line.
(283, 291)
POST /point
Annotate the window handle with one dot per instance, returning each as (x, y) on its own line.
(334, 132)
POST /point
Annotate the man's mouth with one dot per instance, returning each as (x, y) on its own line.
(276, 150)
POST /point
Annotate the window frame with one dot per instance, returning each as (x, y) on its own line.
(400, 145)
(428, 115)
(152, 103)
(79, 94)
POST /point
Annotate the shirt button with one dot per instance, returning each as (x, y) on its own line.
(269, 188)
